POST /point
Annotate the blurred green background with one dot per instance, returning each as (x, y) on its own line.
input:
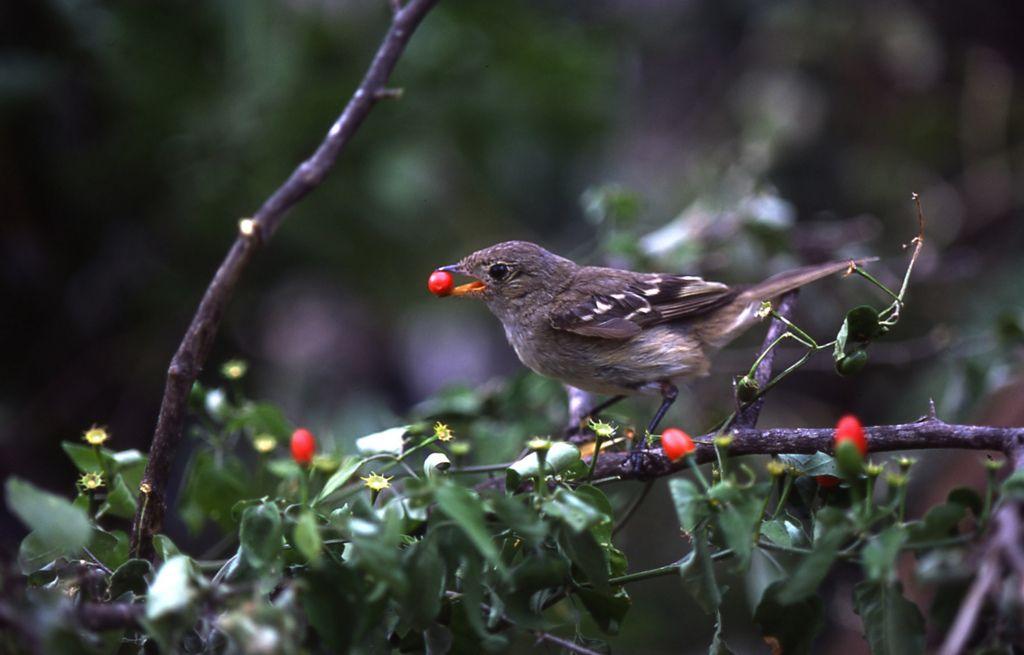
(730, 139)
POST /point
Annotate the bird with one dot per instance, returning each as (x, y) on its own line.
(616, 332)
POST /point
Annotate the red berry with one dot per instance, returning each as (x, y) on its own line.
(440, 283)
(826, 481)
(303, 446)
(676, 443)
(849, 429)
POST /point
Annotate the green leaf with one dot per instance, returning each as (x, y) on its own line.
(776, 532)
(131, 464)
(164, 547)
(213, 486)
(285, 468)
(560, 457)
(260, 535)
(58, 524)
(763, 572)
(789, 628)
(879, 555)
(967, 497)
(862, 323)
(813, 465)
(349, 465)
(464, 507)
(540, 572)
(892, 624)
(607, 609)
(85, 458)
(738, 523)
(597, 499)
(587, 555)
(173, 590)
(426, 571)
(307, 537)
(120, 501)
(111, 548)
(572, 510)
(130, 576)
(258, 418)
(852, 363)
(35, 553)
(1013, 486)
(691, 506)
(516, 513)
(812, 570)
(698, 575)
(938, 523)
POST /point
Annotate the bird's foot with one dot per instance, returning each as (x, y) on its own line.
(642, 463)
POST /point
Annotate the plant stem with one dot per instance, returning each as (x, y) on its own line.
(667, 569)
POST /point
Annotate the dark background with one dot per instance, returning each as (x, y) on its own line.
(730, 139)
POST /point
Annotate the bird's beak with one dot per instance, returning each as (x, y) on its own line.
(470, 288)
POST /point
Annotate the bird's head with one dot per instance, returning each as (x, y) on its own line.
(508, 271)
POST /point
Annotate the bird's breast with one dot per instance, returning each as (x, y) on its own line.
(607, 366)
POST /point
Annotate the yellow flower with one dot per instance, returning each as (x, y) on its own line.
(443, 432)
(602, 429)
(765, 310)
(723, 440)
(234, 369)
(377, 482)
(264, 443)
(539, 443)
(775, 468)
(146, 488)
(95, 436)
(90, 481)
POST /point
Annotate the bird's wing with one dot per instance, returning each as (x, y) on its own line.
(622, 310)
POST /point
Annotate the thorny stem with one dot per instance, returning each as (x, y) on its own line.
(195, 346)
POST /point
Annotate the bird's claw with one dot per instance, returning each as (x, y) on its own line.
(641, 463)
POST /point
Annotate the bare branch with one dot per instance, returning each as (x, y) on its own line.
(924, 434)
(195, 347)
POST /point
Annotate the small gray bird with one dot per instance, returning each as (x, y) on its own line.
(610, 331)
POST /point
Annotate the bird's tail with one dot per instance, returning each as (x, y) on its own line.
(730, 321)
(779, 284)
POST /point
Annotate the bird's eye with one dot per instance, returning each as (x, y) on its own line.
(499, 272)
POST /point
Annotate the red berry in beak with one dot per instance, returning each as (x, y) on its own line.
(440, 283)
(303, 446)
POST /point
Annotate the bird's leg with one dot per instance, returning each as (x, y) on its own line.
(638, 456)
(669, 392)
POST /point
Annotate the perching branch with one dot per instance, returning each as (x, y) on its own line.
(195, 347)
(927, 433)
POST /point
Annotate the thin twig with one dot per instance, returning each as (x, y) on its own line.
(747, 417)
(195, 347)
(570, 646)
(967, 616)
